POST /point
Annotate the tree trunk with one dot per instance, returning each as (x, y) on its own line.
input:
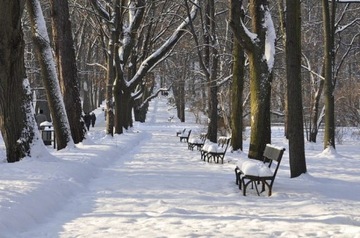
(17, 122)
(66, 64)
(211, 60)
(282, 20)
(259, 94)
(237, 97)
(179, 95)
(315, 113)
(181, 92)
(329, 20)
(260, 73)
(49, 76)
(120, 105)
(109, 111)
(181, 110)
(259, 85)
(293, 70)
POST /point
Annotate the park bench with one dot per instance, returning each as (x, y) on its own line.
(196, 141)
(215, 151)
(255, 172)
(170, 118)
(180, 132)
(185, 136)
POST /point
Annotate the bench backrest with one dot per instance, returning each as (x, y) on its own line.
(189, 133)
(224, 142)
(203, 137)
(271, 154)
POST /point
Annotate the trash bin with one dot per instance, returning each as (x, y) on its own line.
(46, 132)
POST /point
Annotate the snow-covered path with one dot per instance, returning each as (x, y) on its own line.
(150, 185)
(143, 194)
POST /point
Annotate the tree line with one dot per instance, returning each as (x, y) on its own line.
(240, 62)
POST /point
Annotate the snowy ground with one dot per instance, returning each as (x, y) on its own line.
(145, 183)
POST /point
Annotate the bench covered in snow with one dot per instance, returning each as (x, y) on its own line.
(180, 132)
(250, 171)
(196, 141)
(185, 136)
(215, 151)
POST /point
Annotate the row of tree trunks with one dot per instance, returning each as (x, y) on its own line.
(260, 74)
(124, 43)
(49, 75)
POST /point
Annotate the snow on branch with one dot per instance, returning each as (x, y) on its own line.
(164, 49)
(137, 94)
(347, 52)
(98, 65)
(226, 79)
(100, 9)
(136, 13)
(270, 40)
(243, 35)
(342, 28)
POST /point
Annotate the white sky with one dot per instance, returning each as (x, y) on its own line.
(145, 183)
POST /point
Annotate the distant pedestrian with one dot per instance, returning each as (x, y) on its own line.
(40, 117)
(87, 120)
(93, 119)
(111, 120)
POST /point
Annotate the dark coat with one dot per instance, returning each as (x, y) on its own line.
(93, 119)
(87, 120)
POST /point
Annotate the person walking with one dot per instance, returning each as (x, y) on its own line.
(87, 120)
(93, 119)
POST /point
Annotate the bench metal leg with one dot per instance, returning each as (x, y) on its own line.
(237, 176)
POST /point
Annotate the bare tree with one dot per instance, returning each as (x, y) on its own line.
(329, 86)
(208, 63)
(49, 75)
(261, 59)
(128, 17)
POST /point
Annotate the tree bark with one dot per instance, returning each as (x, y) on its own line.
(17, 122)
(237, 97)
(329, 21)
(209, 66)
(260, 74)
(66, 64)
(293, 70)
(179, 96)
(315, 113)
